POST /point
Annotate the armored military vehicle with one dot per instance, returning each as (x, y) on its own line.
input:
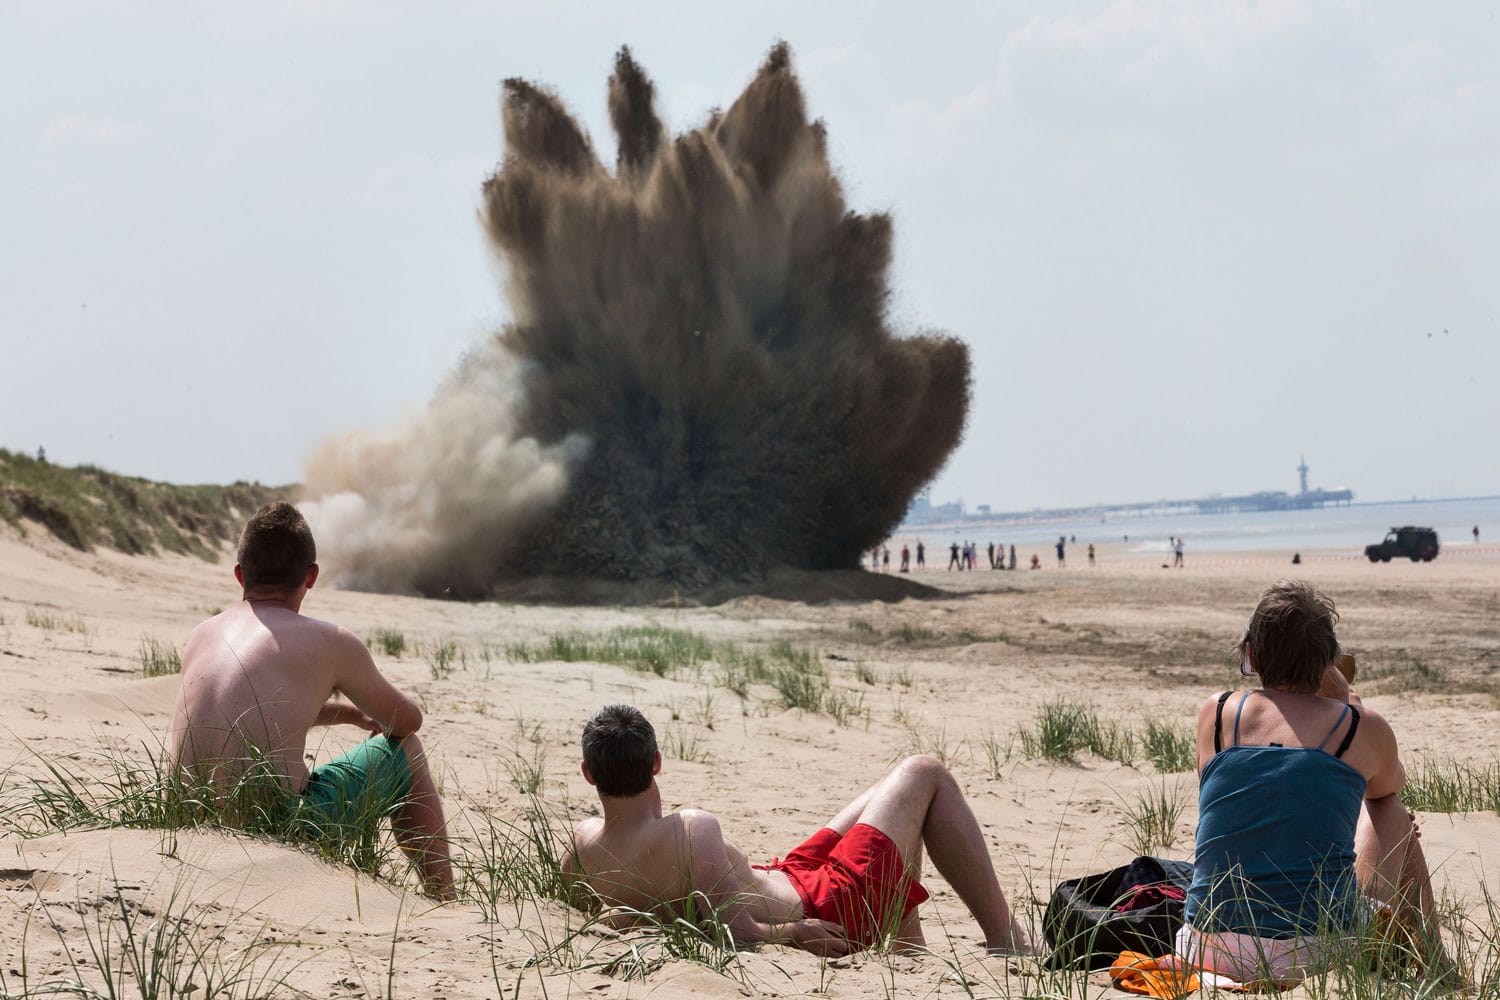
(1414, 543)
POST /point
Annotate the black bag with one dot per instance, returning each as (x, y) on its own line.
(1082, 926)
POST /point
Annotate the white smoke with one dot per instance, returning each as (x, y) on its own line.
(433, 503)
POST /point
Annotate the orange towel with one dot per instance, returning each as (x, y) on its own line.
(1135, 972)
(1166, 979)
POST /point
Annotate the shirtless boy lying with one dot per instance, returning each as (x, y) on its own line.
(258, 676)
(851, 884)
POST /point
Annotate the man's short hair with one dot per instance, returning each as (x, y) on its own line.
(1290, 636)
(619, 747)
(276, 548)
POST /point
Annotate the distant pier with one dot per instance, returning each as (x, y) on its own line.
(924, 513)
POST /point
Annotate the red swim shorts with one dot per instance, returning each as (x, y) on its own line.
(856, 880)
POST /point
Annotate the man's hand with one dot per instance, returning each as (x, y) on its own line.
(341, 713)
(820, 937)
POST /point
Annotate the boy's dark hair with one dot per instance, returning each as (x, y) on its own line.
(1290, 637)
(276, 548)
(619, 747)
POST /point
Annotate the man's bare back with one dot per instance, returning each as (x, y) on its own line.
(259, 675)
(641, 862)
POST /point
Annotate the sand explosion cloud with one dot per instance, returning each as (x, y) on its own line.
(699, 383)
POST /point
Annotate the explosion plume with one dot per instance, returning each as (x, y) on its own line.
(700, 342)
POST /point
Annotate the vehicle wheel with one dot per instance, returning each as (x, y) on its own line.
(1374, 556)
(1427, 558)
(1416, 557)
(1385, 558)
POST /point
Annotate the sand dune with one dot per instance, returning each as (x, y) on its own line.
(957, 675)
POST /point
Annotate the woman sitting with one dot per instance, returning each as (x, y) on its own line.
(1302, 837)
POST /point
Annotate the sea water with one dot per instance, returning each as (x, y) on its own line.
(1351, 527)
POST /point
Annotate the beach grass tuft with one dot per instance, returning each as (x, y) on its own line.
(1061, 731)
(1170, 749)
(1151, 820)
(388, 641)
(49, 621)
(442, 658)
(909, 633)
(157, 658)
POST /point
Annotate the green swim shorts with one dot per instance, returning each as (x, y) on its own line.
(357, 788)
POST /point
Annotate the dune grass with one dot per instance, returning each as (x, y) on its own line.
(1151, 818)
(1171, 749)
(86, 507)
(649, 648)
(157, 658)
(1063, 729)
(112, 788)
(389, 641)
(56, 621)
(442, 658)
(131, 949)
(1444, 785)
(793, 671)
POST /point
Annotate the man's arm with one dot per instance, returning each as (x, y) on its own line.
(712, 876)
(337, 712)
(357, 678)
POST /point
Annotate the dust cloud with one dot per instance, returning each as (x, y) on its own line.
(699, 384)
(426, 507)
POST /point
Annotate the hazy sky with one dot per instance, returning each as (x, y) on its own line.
(1185, 241)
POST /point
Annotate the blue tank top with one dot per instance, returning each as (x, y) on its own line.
(1275, 848)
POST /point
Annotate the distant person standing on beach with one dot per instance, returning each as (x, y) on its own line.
(953, 559)
(885, 558)
(1091, 553)
(921, 555)
(1476, 534)
(990, 551)
(1177, 553)
(906, 558)
(1012, 557)
(1061, 545)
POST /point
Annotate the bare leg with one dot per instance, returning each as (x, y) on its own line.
(419, 826)
(1392, 868)
(919, 804)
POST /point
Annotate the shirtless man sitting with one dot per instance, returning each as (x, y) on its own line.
(258, 676)
(850, 885)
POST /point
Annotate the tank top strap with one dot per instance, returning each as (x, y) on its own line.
(1219, 722)
(1338, 722)
(1349, 736)
(1237, 713)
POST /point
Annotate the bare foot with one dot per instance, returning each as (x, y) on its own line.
(1018, 942)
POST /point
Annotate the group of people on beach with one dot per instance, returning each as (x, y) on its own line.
(1301, 827)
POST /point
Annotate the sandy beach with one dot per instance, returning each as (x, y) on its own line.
(960, 675)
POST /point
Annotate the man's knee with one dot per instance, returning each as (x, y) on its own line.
(416, 757)
(924, 767)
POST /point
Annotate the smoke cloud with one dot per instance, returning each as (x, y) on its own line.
(700, 383)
